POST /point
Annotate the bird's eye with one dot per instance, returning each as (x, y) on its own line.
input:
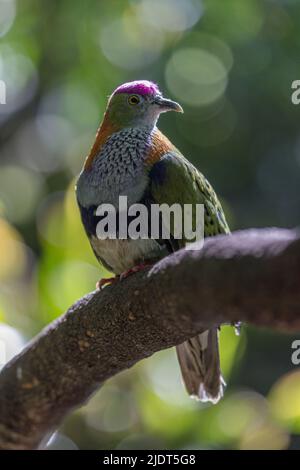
(133, 99)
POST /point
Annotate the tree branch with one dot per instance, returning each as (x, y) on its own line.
(251, 276)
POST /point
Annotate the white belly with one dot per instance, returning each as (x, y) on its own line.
(122, 255)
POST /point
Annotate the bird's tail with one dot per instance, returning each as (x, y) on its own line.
(200, 366)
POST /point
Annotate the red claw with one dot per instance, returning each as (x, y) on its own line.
(134, 269)
(106, 281)
(111, 280)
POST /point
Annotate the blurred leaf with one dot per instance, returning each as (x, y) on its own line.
(284, 400)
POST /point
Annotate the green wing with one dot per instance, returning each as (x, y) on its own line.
(174, 179)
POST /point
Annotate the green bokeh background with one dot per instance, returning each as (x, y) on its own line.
(231, 65)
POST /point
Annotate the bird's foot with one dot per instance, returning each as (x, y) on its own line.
(106, 281)
(111, 280)
(135, 269)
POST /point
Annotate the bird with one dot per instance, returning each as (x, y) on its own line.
(132, 157)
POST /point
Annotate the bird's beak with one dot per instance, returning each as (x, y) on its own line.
(167, 105)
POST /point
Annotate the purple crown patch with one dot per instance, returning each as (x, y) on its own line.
(139, 87)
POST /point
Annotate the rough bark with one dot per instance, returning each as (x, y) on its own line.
(251, 276)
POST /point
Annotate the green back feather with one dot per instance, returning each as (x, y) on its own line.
(182, 183)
